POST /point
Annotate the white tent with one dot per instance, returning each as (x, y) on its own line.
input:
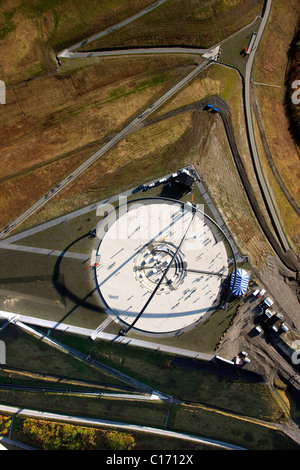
(241, 282)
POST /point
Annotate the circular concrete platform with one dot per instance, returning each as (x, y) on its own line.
(161, 258)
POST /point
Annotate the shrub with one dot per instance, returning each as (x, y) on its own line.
(119, 441)
(5, 422)
(56, 436)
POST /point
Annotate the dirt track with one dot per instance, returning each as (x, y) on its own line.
(278, 275)
(288, 258)
(271, 163)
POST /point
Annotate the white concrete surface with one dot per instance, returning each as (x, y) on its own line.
(136, 251)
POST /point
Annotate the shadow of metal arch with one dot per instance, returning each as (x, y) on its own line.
(62, 290)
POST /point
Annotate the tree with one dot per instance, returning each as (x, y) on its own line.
(119, 441)
(5, 422)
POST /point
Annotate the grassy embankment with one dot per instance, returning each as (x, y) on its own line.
(212, 400)
(292, 93)
(53, 125)
(118, 169)
(31, 31)
(166, 145)
(40, 106)
(62, 296)
(183, 23)
(269, 68)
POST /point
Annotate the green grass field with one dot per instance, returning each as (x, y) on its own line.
(231, 48)
(183, 23)
(212, 402)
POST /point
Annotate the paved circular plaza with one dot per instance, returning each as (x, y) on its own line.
(161, 266)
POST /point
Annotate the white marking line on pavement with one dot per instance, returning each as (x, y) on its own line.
(43, 251)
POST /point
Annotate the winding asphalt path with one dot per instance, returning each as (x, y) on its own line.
(68, 53)
(80, 393)
(130, 127)
(113, 28)
(142, 50)
(113, 424)
(262, 182)
(289, 259)
(119, 136)
(96, 364)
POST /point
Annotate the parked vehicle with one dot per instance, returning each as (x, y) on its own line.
(268, 302)
(261, 293)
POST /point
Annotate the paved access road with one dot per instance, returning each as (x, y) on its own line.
(67, 53)
(133, 124)
(114, 27)
(114, 424)
(208, 56)
(250, 128)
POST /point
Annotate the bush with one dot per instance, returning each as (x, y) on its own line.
(119, 441)
(56, 436)
(5, 422)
